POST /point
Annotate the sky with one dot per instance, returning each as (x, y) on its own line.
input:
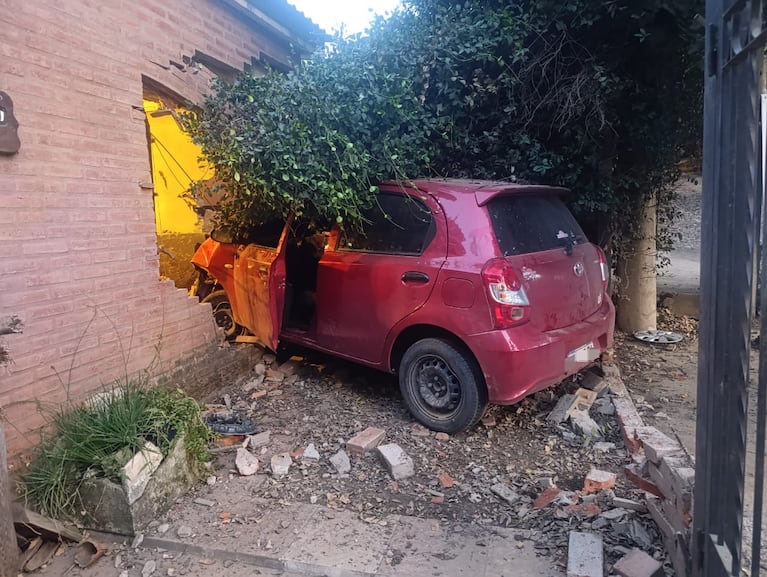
(355, 15)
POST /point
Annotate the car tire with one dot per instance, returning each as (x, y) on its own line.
(442, 385)
(222, 313)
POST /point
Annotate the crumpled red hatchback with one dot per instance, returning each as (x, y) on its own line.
(472, 292)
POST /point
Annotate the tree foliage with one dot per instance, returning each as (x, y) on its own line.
(602, 97)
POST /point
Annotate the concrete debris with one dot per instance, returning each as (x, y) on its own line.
(341, 462)
(585, 557)
(635, 531)
(246, 463)
(584, 424)
(488, 420)
(604, 406)
(614, 514)
(253, 384)
(139, 470)
(204, 502)
(657, 444)
(148, 568)
(138, 539)
(590, 380)
(544, 483)
(281, 464)
(638, 564)
(442, 437)
(629, 504)
(162, 529)
(398, 463)
(311, 453)
(184, 531)
(604, 447)
(561, 410)
(260, 440)
(505, 493)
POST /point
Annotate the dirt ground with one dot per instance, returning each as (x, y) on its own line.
(332, 400)
(328, 401)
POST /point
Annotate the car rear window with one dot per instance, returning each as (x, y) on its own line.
(525, 224)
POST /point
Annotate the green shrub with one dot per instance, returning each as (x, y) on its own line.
(97, 438)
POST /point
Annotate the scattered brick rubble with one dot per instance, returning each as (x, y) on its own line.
(318, 447)
(662, 469)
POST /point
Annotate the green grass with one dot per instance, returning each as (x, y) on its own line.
(97, 438)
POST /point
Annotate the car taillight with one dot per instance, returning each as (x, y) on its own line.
(508, 300)
(604, 268)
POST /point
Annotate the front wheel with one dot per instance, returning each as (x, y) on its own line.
(222, 313)
(442, 386)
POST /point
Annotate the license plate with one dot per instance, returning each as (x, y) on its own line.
(584, 354)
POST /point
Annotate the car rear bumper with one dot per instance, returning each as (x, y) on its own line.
(520, 361)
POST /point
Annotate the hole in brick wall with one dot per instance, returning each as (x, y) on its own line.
(175, 168)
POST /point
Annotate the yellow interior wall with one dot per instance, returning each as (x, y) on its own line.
(175, 166)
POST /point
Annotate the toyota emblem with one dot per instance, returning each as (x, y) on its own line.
(578, 269)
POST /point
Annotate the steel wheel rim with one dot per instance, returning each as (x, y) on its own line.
(436, 387)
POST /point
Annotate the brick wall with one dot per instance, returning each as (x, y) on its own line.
(78, 251)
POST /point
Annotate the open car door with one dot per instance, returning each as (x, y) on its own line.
(259, 275)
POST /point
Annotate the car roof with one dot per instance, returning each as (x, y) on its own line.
(447, 189)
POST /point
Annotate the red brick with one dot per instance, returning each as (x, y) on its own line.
(640, 481)
(445, 480)
(597, 481)
(547, 497)
(586, 510)
(637, 563)
(365, 441)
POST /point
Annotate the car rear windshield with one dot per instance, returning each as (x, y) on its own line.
(525, 224)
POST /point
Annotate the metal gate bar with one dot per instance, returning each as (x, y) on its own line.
(729, 225)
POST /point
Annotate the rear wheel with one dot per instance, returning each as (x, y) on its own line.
(442, 385)
(222, 313)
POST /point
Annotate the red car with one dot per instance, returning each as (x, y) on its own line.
(471, 291)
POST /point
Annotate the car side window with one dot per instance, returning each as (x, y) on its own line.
(398, 224)
(268, 234)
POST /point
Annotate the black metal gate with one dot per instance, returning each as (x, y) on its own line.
(735, 37)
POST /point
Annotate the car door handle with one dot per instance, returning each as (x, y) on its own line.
(415, 277)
